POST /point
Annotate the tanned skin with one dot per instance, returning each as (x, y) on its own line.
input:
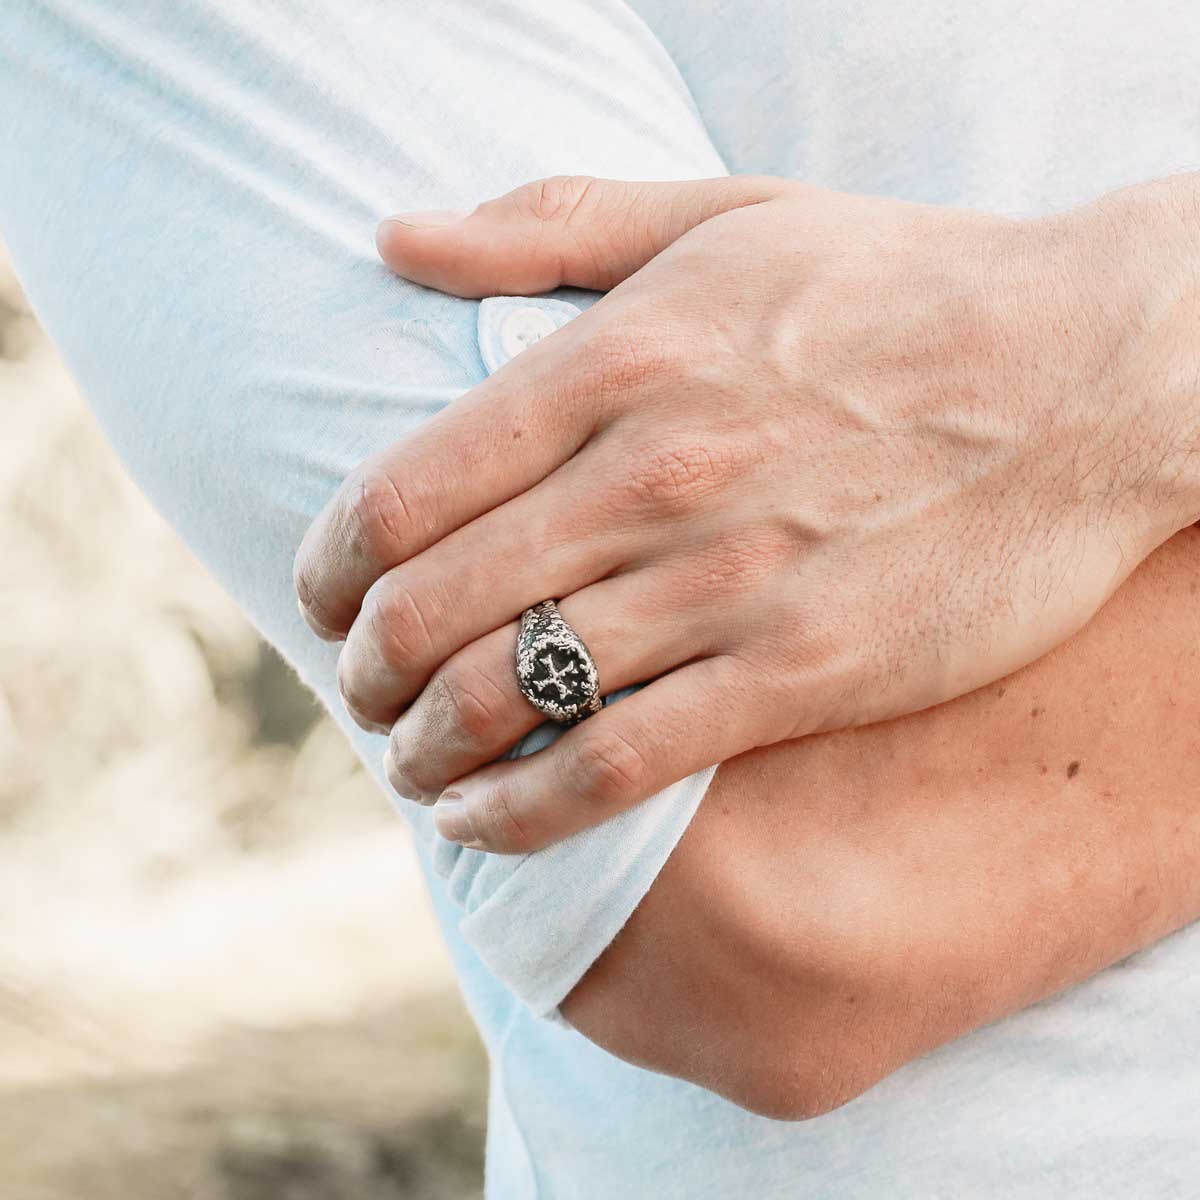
(884, 890)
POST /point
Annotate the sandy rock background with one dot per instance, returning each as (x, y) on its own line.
(219, 977)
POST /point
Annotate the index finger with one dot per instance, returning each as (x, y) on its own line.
(493, 443)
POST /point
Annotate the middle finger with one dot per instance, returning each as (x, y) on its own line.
(549, 541)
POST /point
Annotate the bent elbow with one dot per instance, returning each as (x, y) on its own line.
(800, 1082)
(786, 1070)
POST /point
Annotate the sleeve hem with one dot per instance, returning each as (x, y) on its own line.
(539, 938)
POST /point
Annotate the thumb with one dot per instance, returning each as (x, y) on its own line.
(569, 230)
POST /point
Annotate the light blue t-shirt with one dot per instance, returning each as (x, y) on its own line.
(189, 189)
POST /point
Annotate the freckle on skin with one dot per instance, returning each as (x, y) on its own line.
(1072, 769)
(1035, 711)
(999, 692)
(1042, 768)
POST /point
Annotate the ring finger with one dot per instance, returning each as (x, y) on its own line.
(472, 710)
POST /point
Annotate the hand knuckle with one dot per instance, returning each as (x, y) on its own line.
(497, 825)
(399, 623)
(308, 580)
(409, 767)
(348, 687)
(402, 766)
(623, 359)
(671, 479)
(470, 701)
(557, 198)
(378, 514)
(608, 770)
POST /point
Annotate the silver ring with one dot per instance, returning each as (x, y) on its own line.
(555, 670)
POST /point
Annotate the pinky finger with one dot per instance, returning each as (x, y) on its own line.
(684, 721)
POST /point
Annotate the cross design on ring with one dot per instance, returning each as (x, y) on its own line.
(556, 675)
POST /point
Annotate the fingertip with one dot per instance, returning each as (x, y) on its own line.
(389, 240)
(399, 782)
(393, 234)
(383, 237)
(322, 631)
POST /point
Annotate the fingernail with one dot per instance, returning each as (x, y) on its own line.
(452, 818)
(428, 218)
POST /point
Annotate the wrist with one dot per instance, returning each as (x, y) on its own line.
(1150, 234)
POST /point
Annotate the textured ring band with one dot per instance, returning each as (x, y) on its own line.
(555, 670)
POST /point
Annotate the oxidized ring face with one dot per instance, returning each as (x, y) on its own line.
(555, 670)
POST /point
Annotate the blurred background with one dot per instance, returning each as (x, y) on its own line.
(219, 975)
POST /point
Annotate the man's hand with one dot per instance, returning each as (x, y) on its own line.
(819, 460)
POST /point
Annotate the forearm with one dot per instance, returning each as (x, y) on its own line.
(843, 904)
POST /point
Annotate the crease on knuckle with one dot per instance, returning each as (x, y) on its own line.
(308, 584)
(412, 770)
(608, 770)
(670, 479)
(558, 198)
(497, 825)
(380, 515)
(402, 766)
(360, 711)
(624, 360)
(468, 703)
(399, 628)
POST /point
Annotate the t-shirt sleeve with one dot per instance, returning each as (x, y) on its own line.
(189, 196)
(540, 920)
